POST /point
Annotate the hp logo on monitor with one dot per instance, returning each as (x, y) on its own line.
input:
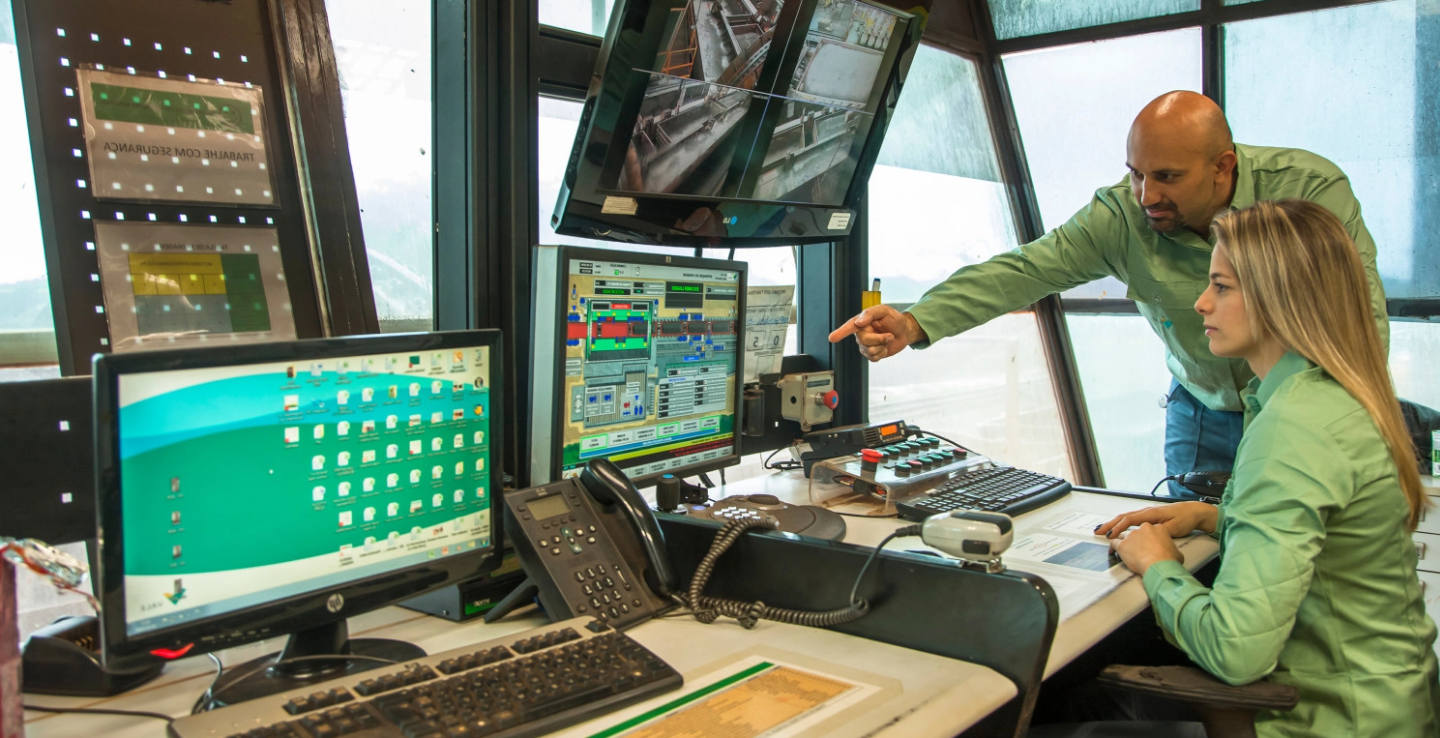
(335, 602)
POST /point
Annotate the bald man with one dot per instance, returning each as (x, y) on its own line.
(1152, 232)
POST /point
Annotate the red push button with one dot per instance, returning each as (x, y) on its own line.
(830, 399)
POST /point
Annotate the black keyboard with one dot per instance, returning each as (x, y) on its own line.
(1002, 489)
(554, 677)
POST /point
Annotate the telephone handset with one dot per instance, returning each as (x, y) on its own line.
(608, 485)
(591, 547)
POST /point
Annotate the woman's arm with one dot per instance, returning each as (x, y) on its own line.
(1288, 480)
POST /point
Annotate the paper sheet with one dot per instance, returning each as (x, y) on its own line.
(755, 698)
(1059, 544)
(769, 310)
(152, 137)
(172, 286)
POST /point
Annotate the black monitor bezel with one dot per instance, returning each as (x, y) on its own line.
(280, 617)
(564, 255)
(615, 98)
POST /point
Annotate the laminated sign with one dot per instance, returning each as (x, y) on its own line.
(168, 286)
(150, 137)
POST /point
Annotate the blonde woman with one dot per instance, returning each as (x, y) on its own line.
(1317, 584)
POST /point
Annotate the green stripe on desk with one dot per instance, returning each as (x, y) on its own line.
(687, 699)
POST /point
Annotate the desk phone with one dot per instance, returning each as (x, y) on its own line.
(591, 548)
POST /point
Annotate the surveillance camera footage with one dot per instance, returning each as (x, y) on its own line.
(690, 135)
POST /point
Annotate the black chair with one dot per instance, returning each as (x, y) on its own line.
(1223, 709)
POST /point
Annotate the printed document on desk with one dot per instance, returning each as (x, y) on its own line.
(755, 697)
(1059, 544)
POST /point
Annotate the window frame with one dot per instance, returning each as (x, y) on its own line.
(1211, 19)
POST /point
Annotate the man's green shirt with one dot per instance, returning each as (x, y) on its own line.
(1317, 585)
(1165, 273)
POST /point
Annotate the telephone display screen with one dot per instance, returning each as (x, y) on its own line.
(252, 483)
(548, 507)
(650, 359)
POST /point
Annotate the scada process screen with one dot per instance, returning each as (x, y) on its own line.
(650, 359)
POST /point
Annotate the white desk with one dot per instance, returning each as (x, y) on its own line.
(1074, 635)
(922, 694)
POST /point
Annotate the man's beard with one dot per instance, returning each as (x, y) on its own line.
(1170, 224)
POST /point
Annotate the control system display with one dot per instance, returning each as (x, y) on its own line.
(651, 355)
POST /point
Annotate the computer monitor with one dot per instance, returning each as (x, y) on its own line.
(253, 491)
(648, 362)
(758, 122)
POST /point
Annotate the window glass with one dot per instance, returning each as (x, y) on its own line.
(936, 204)
(772, 265)
(1293, 81)
(1075, 116)
(1074, 120)
(24, 291)
(1414, 348)
(942, 93)
(557, 124)
(1015, 18)
(382, 48)
(585, 16)
(1122, 368)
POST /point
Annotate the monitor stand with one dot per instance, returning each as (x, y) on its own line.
(310, 656)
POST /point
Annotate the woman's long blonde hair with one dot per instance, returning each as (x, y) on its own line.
(1304, 284)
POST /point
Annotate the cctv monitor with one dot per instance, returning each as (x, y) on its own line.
(252, 491)
(648, 358)
(753, 121)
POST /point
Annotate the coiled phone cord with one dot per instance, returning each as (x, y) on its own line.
(708, 609)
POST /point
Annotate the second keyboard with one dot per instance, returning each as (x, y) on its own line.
(1002, 489)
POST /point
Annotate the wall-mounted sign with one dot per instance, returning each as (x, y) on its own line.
(161, 138)
(171, 285)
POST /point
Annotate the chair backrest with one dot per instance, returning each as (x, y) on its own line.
(1002, 621)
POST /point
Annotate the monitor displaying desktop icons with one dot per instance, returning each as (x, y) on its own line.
(251, 483)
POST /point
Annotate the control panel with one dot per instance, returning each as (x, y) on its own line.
(897, 471)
